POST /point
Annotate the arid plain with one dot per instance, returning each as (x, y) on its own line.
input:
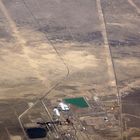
(67, 43)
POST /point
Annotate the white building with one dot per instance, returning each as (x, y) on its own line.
(56, 111)
(63, 107)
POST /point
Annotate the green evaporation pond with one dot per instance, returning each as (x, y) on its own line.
(78, 101)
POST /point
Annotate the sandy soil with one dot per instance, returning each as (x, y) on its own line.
(30, 65)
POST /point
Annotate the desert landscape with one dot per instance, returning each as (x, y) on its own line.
(53, 50)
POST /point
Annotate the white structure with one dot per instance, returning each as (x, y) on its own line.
(63, 107)
(96, 98)
(56, 111)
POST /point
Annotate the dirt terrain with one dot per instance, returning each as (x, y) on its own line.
(49, 42)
